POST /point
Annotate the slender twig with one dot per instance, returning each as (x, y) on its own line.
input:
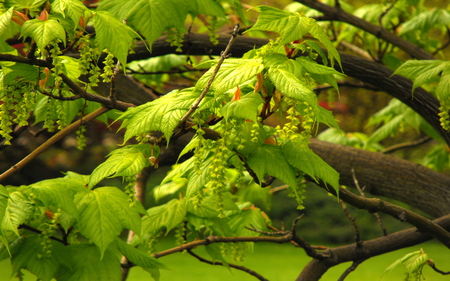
(174, 71)
(361, 192)
(35, 230)
(43, 147)
(406, 145)
(350, 269)
(267, 233)
(353, 222)
(433, 266)
(220, 239)
(112, 89)
(235, 266)
(384, 13)
(347, 84)
(223, 56)
(443, 46)
(45, 93)
(362, 53)
(377, 205)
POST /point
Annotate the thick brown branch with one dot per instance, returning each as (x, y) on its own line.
(389, 176)
(398, 240)
(402, 214)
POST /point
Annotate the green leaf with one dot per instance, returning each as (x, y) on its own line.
(255, 194)
(388, 129)
(320, 73)
(198, 179)
(443, 88)
(27, 257)
(292, 26)
(245, 108)
(422, 71)
(125, 162)
(269, 160)
(326, 117)
(27, 4)
(301, 157)
(169, 188)
(21, 71)
(113, 34)
(215, 252)
(248, 218)
(316, 47)
(426, 20)
(412, 262)
(4, 195)
(288, 84)
(138, 257)
(208, 207)
(85, 263)
(18, 211)
(58, 192)
(44, 32)
(169, 215)
(152, 17)
(162, 114)
(104, 212)
(233, 72)
(8, 28)
(74, 9)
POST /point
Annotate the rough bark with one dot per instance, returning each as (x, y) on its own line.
(389, 176)
(398, 240)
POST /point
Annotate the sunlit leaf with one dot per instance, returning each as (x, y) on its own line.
(125, 162)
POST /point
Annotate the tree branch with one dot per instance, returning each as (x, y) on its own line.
(43, 147)
(361, 69)
(371, 248)
(377, 205)
(223, 56)
(235, 266)
(389, 176)
(333, 13)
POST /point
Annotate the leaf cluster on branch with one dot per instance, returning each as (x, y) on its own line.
(109, 62)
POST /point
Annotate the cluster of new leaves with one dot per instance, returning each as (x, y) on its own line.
(68, 228)
(88, 222)
(413, 264)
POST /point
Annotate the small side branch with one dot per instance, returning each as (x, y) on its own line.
(361, 192)
(223, 56)
(43, 147)
(35, 230)
(399, 146)
(235, 266)
(376, 205)
(433, 266)
(349, 270)
(353, 222)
